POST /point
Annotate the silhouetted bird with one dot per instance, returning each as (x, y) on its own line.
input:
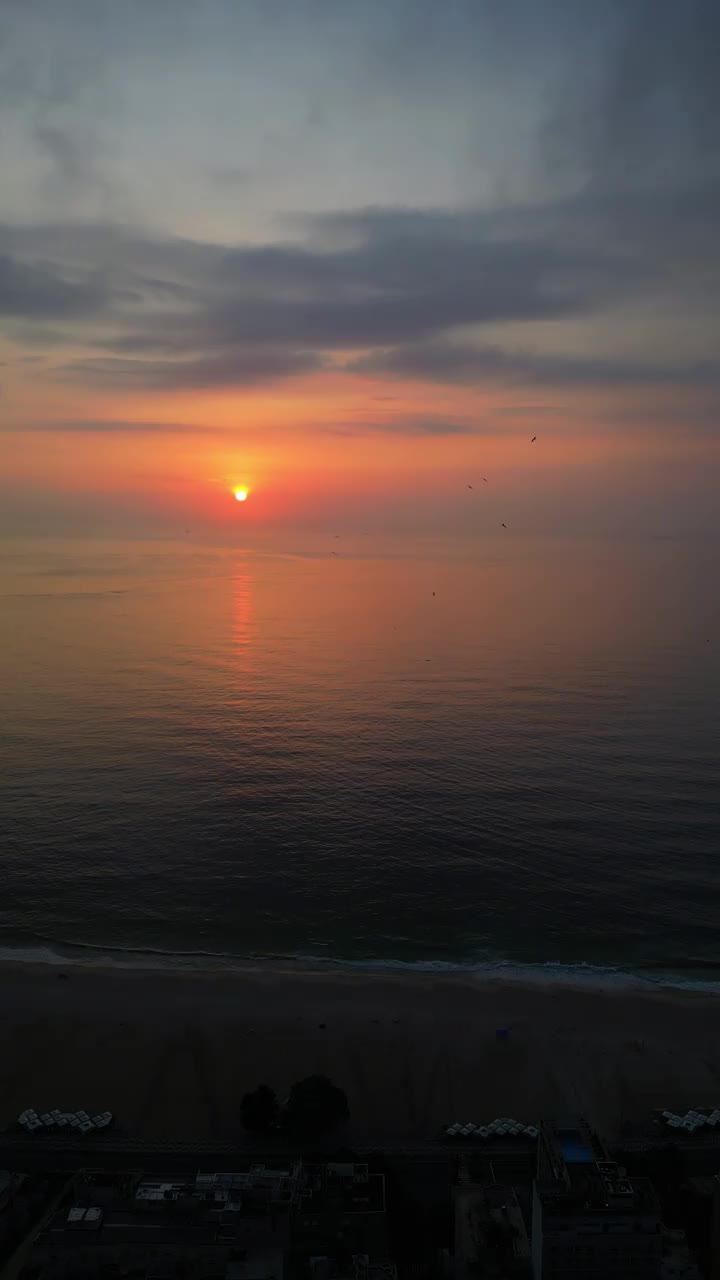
(533, 439)
(504, 525)
(485, 479)
(469, 486)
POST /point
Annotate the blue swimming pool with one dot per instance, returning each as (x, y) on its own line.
(574, 1149)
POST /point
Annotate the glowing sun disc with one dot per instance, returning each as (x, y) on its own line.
(241, 495)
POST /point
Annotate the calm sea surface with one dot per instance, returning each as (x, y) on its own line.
(469, 754)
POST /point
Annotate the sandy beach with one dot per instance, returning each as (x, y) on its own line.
(172, 1054)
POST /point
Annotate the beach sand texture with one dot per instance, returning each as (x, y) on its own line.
(172, 1055)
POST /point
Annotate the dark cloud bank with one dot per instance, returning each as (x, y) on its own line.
(420, 293)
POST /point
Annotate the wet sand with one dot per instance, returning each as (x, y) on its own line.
(172, 1054)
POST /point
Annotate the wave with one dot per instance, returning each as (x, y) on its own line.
(60, 953)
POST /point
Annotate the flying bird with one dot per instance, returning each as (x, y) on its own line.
(504, 525)
(469, 486)
(485, 479)
(533, 439)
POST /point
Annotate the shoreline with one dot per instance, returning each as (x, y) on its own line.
(413, 1051)
(584, 975)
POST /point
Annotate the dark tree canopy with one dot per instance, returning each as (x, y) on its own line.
(259, 1110)
(315, 1107)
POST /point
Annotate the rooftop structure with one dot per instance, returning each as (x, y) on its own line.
(345, 1187)
(357, 1267)
(490, 1234)
(678, 1262)
(7, 1181)
(340, 1213)
(259, 1188)
(589, 1219)
(241, 1225)
(212, 1225)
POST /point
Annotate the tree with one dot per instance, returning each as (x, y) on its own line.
(315, 1107)
(260, 1110)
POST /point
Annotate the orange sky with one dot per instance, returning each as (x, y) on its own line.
(314, 444)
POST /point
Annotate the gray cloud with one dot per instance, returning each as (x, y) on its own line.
(37, 292)
(407, 427)
(232, 368)
(410, 427)
(697, 415)
(398, 287)
(662, 96)
(231, 176)
(451, 362)
(68, 154)
(612, 245)
(644, 108)
(248, 313)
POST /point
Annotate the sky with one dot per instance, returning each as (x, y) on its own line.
(352, 255)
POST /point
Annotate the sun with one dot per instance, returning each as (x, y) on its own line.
(241, 495)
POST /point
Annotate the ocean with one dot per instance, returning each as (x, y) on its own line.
(500, 755)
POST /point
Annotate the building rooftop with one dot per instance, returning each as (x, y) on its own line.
(342, 1188)
(249, 1219)
(678, 1262)
(70, 1230)
(258, 1264)
(341, 1212)
(239, 1211)
(490, 1231)
(576, 1175)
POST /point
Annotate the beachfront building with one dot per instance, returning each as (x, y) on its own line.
(490, 1235)
(324, 1221)
(340, 1220)
(358, 1266)
(703, 1194)
(715, 1230)
(678, 1262)
(590, 1222)
(216, 1226)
